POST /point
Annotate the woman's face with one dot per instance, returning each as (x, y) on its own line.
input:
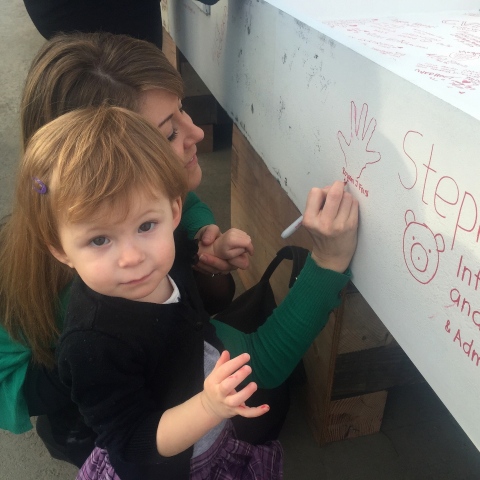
(164, 110)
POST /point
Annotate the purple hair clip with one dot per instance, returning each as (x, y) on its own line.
(39, 186)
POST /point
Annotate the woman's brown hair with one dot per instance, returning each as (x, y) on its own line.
(71, 166)
(79, 70)
(69, 72)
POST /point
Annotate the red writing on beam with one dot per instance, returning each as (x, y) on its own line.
(441, 192)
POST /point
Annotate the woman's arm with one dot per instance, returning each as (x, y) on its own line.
(195, 215)
(14, 362)
(280, 343)
(28, 389)
(331, 217)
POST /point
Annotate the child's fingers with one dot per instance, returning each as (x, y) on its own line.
(229, 385)
(223, 359)
(237, 398)
(252, 412)
(223, 369)
(242, 261)
(235, 238)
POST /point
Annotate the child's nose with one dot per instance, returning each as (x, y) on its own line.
(130, 255)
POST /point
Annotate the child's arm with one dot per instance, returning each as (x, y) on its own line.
(277, 346)
(180, 427)
(108, 383)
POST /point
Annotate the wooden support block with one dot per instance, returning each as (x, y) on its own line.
(354, 417)
(355, 358)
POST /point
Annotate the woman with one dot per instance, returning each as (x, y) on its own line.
(71, 72)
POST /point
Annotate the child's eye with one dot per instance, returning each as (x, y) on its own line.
(100, 241)
(146, 227)
(173, 136)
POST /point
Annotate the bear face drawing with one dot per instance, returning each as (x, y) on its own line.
(421, 249)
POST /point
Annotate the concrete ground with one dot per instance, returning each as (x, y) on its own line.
(419, 439)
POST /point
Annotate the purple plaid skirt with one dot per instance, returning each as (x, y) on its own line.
(97, 467)
(227, 459)
(232, 459)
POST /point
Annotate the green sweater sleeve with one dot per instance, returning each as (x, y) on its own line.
(195, 215)
(14, 360)
(280, 343)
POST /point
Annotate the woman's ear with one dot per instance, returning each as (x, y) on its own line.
(176, 211)
(60, 255)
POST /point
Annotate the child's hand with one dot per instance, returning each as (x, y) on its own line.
(233, 245)
(219, 397)
(331, 217)
(209, 264)
(222, 253)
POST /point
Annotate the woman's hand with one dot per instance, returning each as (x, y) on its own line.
(220, 398)
(222, 253)
(331, 217)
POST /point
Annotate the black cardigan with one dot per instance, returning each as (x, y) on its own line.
(127, 362)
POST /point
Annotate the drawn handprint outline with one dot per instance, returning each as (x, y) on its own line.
(355, 140)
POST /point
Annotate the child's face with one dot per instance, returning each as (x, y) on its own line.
(126, 258)
(164, 111)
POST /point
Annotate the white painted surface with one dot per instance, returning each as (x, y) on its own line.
(321, 103)
(310, 11)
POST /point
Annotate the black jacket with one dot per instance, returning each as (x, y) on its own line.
(127, 362)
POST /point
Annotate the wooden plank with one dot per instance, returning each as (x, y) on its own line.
(261, 208)
(194, 85)
(169, 48)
